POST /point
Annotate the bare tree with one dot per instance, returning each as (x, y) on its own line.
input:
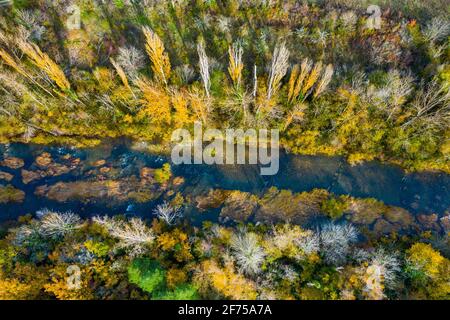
(335, 240)
(204, 67)
(255, 81)
(58, 224)
(324, 81)
(133, 235)
(168, 213)
(437, 29)
(131, 60)
(432, 104)
(248, 253)
(185, 73)
(278, 68)
(309, 243)
(393, 94)
(235, 64)
(381, 272)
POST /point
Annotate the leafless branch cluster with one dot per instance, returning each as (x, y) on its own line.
(324, 81)
(437, 29)
(204, 67)
(278, 68)
(309, 243)
(380, 271)
(335, 240)
(131, 60)
(133, 235)
(236, 65)
(394, 93)
(248, 253)
(58, 224)
(167, 213)
(432, 105)
(185, 73)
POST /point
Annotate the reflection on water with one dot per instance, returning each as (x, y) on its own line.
(426, 192)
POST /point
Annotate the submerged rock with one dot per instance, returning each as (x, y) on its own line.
(177, 181)
(104, 169)
(141, 196)
(365, 211)
(398, 216)
(47, 167)
(369, 211)
(80, 190)
(213, 200)
(394, 219)
(53, 170)
(283, 205)
(239, 206)
(99, 163)
(12, 163)
(6, 176)
(58, 169)
(44, 159)
(104, 190)
(10, 194)
(147, 173)
(28, 176)
(75, 162)
(382, 227)
(429, 221)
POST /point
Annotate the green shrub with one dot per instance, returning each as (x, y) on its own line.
(181, 292)
(98, 248)
(147, 274)
(334, 207)
(163, 175)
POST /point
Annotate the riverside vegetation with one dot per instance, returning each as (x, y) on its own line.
(141, 69)
(316, 72)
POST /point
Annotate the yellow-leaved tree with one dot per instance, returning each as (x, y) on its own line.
(156, 103)
(45, 63)
(160, 59)
(431, 270)
(225, 281)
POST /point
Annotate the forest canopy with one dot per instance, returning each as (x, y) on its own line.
(319, 71)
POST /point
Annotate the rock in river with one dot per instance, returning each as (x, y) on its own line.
(283, 205)
(53, 170)
(239, 206)
(10, 194)
(6, 176)
(79, 190)
(12, 162)
(99, 163)
(104, 190)
(28, 176)
(44, 159)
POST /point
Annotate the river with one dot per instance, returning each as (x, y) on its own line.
(422, 192)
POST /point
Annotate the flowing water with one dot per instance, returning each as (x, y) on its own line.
(424, 192)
